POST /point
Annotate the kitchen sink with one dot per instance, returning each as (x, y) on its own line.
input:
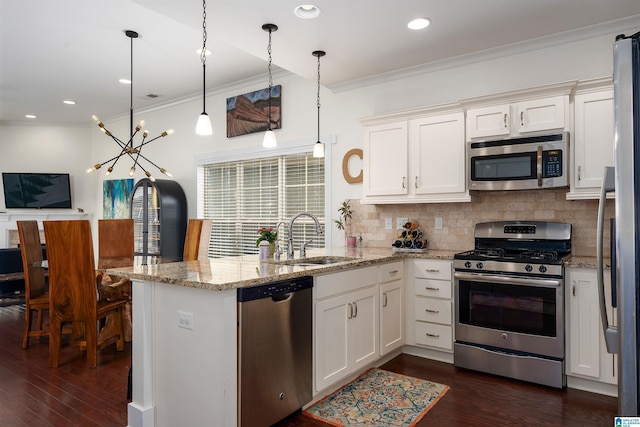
(323, 260)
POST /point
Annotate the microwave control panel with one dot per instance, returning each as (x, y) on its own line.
(552, 164)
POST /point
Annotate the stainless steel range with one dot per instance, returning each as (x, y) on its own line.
(509, 301)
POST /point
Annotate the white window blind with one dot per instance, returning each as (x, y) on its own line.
(241, 196)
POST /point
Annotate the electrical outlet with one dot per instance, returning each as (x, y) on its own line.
(185, 320)
(400, 222)
(438, 223)
(388, 223)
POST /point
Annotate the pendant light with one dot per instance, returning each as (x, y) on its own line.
(269, 140)
(203, 125)
(318, 147)
(127, 148)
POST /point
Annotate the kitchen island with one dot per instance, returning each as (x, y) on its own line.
(185, 329)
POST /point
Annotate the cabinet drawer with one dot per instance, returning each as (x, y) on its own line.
(432, 269)
(433, 288)
(433, 310)
(391, 271)
(433, 335)
(344, 281)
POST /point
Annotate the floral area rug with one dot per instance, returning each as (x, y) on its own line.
(378, 398)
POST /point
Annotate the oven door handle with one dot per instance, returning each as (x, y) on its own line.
(512, 280)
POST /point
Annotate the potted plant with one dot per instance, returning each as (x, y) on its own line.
(344, 222)
(270, 235)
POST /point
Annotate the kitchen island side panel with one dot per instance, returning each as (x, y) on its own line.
(186, 371)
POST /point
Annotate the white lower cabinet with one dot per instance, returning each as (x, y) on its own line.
(429, 304)
(587, 356)
(391, 307)
(346, 323)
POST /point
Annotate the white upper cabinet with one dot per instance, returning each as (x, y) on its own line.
(592, 141)
(437, 153)
(488, 121)
(385, 159)
(518, 119)
(418, 158)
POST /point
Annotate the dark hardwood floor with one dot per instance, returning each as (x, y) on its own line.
(32, 394)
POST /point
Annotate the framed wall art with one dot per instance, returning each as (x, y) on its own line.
(250, 112)
(115, 198)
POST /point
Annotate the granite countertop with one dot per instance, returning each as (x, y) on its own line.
(241, 271)
(586, 262)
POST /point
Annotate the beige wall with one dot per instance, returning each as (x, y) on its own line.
(459, 218)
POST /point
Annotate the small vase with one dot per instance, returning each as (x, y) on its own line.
(351, 241)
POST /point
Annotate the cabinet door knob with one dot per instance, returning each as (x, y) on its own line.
(521, 118)
(384, 299)
(416, 182)
(432, 311)
(355, 309)
(505, 120)
(393, 271)
(432, 335)
(432, 271)
(350, 311)
(579, 172)
(404, 182)
(431, 288)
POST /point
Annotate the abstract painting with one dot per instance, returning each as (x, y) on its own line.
(249, 113)
(115, 198)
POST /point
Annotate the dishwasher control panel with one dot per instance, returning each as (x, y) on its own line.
(276, 288)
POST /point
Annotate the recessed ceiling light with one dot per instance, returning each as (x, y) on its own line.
(419, 23)
(206, 52)
(69, 102)
(307, 11)
(30, 116)
(125, 81)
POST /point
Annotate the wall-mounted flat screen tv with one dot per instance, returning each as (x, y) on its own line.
(36, 190)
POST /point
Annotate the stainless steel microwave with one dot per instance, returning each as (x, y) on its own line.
(519, 163)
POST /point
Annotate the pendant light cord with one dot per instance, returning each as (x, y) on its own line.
(203, 53)
(318, 98)
(131, 96)
(270, 78)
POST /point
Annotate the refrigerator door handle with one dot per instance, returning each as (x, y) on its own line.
(610, 331)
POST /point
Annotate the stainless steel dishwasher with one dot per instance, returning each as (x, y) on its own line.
(274, 350)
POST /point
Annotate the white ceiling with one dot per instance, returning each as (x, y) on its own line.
(53, 50)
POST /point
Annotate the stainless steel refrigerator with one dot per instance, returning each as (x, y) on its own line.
(624, 179)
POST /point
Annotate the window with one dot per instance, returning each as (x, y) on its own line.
(241, 196)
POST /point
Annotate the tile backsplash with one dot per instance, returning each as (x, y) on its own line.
(459, 219)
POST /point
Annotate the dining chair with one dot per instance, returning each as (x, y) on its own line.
(116, 249)
(73, 295)
(196, 242)
(35, 295)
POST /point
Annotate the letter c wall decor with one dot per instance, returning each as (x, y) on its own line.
(345, 166)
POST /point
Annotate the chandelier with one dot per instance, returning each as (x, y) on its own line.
(134, 152)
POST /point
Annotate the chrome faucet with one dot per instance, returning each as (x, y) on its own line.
(278, 251)
(290, 230)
